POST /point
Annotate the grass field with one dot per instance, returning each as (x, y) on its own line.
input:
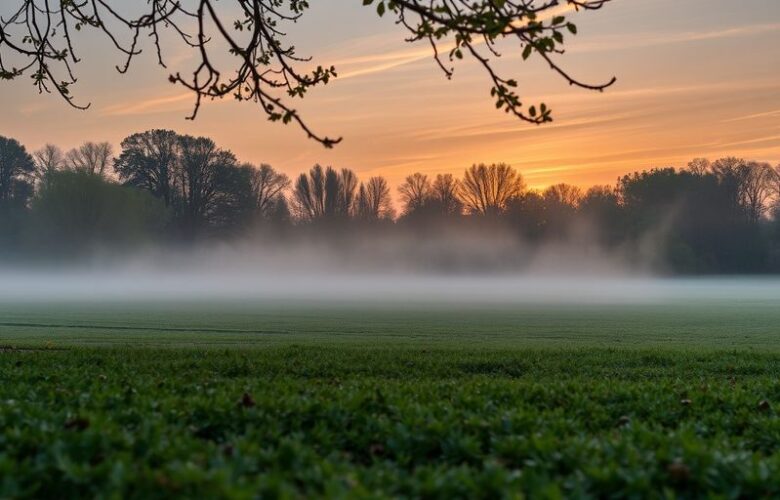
(159, 400)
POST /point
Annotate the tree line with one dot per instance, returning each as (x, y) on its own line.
(161, 187)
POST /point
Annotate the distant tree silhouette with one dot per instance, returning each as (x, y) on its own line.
(194, 181)
(279, 214)
(309, 194)
(205, 187)
(428, 204)
(340, 188)
(444, 195)
(373, 201)
(561, 202)
(598, 197)
(690, 214)
(414, 191)
(527, 213)
(751, 181)
(700, 166)
(148, 161)
(234, 200)
(775, 187)
(90, 157)
(602, 211)
(757, 189)
(486, 189)
(563, 194)
(268, 187)
(241, 50)
(48, 160)
(210, 188)
(76, 210)
(16, 173)
(324, 193)
(710, 217)
(730, 171)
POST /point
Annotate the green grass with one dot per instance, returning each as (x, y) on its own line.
(152, 401)
(718, 325)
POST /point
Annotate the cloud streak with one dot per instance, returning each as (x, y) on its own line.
(372, 64)
(148, 106)
(644, 40)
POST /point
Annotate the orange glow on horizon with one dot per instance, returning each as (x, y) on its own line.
(691, 86)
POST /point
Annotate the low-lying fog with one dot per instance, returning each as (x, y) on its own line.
(165, 285)
(480, 274)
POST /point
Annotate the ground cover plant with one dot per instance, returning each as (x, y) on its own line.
(385, 413)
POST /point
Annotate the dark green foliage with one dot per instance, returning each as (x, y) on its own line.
(308, 421)
(148, 161)
(698, 219)
(16, 188)
(76, 210)
(243, 401)
(16, 169)
(206, 189)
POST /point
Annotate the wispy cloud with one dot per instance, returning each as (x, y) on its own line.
(377, 63)
(755, 140)
(752, 116)
(641, 40)
(370, 64)
(146, 106)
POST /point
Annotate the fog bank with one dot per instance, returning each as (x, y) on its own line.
(126, 286)
(374, 272)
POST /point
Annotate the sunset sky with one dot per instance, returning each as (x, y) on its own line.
(695, 78)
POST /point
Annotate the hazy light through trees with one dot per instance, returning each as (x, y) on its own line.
(164, 190)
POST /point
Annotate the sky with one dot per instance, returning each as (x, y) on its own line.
(695, 78)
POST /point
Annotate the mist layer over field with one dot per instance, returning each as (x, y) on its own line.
(405, 272)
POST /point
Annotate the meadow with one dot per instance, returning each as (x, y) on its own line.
(410, 400)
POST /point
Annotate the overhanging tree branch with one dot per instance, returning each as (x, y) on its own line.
(39, 38)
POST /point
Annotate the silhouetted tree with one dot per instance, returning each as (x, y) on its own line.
(600, 207)
(560, 204)
(78, 210)
(700, 166)
(324, 193)
(48, 160)
(563, 194)
(268, 187)
(751, 182)
(414, 191)
(486, 189)
(698, 220)
(373, 201)
(730, 172)
(279, 214)
(234, 200)
(309, 194)
(16, 188)
(444, 195)
(756, 189)
(710, 217)
(430, 206)
(195, 180)
(342, 188)
(775, 187)
(90, 157)
(211, 190)
(148, 161)
(16, 172)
